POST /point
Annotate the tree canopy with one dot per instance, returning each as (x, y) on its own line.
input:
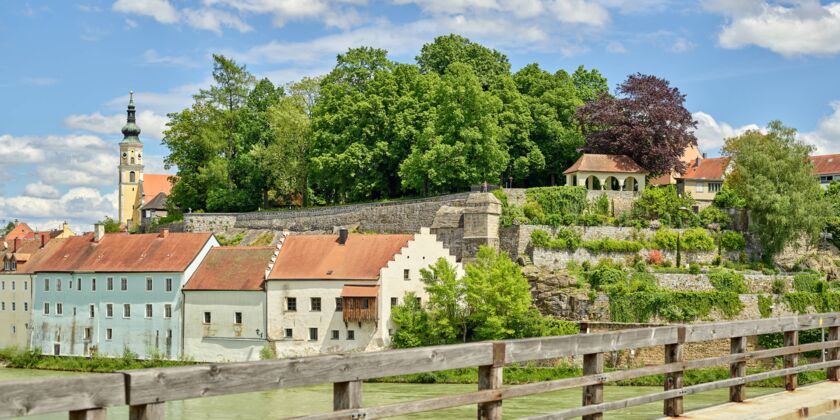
(775, 179)
(646, 121)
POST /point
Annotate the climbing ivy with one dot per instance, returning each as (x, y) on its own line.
(675, 306)
(765, 306)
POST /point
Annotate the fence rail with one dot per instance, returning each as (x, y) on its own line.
(145, 391)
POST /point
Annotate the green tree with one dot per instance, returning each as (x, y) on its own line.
(774, 176)
(497, 293)
(487, 64)
(665, 204)
(111, 225)
(448, 313)
(590, 84)
(412, 321)
(465, 145)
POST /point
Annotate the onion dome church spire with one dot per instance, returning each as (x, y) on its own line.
(131, 132)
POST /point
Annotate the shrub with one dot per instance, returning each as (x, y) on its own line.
(732, 241)
(765, 306)
(665, 204)
(728, 281)
(566, 238)
(666, 239)
(601, 205)
(604, 275)
(558, 220)
(697, 239)
(591, 219)
(779, 286)
(533, 211)
(713, 215)
(559, 200)
(612, 245)
(694, 268)
(809, 282)
(654, 257)
(267, 353)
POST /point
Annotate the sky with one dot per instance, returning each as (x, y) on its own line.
(66, 68)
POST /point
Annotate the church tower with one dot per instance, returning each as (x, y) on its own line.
(130, 170)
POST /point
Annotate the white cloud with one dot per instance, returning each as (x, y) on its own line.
(826, 137)
(580, 11)
(804, 27)
(161, 10)
(151, 125)
(151, 56)
(80, 206)
(214, 20)
(18, 150)
(586, 12)
(681, 45)
(616, 47)
(41, 190)
(711, 134)
(335, 13)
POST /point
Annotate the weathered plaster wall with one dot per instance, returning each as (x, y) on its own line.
(222, 340)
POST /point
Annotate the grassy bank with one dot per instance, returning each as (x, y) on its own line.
(32, 359)
(520, 375)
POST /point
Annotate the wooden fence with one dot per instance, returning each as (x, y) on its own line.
(145, 391)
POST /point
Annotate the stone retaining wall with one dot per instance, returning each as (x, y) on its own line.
(557, 259)
(756, 283)
(389, 217)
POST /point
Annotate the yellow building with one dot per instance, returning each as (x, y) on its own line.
(135, 189)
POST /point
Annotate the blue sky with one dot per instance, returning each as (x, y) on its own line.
(67, 66)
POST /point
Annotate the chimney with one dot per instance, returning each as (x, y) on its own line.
(163, 233)
(98, 232)
(43, 240)
(15, 244)
(342, 236)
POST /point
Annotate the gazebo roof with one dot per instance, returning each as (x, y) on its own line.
(589, 162)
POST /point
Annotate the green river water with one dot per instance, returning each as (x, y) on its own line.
(310, 400)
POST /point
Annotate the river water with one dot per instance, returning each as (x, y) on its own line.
(310, 400)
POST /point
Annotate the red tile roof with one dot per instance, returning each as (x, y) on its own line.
(22, 230)
(154, 184)
(826, 164)
(589, 162)
(30, 253)
(122, 252)
(322, 257)
(359, 291)
(710, 168)
(232, 268)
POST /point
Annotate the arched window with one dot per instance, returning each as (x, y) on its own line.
(132, 160)
(131, 176)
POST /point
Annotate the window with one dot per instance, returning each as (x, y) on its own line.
(92, 310)
(109, 283)
(25, 286)
(59, 309)
(288, 333)
(394, 301)
(167, 311)
(78, 284)
(339, 304)
(351, 335)
(315, 304)
(406, 274)
(715, 186)
(826, 179)
(14, 329)
(207, 317)
(46, 285)
(148, 310)
(148, 284)
(365, 303)
(334, 335)
(168, 337)
(109, 310)
(13, 306)
(131, 175)
(46, 308)
(291, 304)
(13, 285)
(168, 285)
(92, 285)
(3, 287)
(86, 335)
(419, 301)
(698, 188)
(57, 285)
(26, 306)
(237, 318)
(2, 306)
(123, 284)
(109, 334)
(313, 334)
(126, 310)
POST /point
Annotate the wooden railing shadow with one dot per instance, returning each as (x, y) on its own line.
(145, 391)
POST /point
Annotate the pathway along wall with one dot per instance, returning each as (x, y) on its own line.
(388, 217)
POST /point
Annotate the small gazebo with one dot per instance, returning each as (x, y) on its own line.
(606, 172)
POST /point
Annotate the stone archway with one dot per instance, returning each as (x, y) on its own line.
(593, 183)
(611, 183)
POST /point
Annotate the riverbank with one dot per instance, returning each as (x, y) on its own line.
(32, 359)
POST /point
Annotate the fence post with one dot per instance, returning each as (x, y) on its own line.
(91, 414)
(593, 394)
(673, 407)
(490, 377)
(833, 353)
(737, 393)
(347, 395)
(151, 411)
(791, 339)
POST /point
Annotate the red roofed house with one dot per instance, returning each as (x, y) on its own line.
(334, 293)
(827, 168)
(704, 178)
(20, 231)
(224, 305)
(110, 293)
(606, 172)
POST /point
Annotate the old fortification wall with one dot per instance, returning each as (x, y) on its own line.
(388, 217)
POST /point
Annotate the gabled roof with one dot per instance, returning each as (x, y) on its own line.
(157, 203)
(21, 230)
(30, 253)
(826, 164)
(710, 168)
(232, 268)
(154, 184)
(589, 162)
(309, 257)
(122, 252)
